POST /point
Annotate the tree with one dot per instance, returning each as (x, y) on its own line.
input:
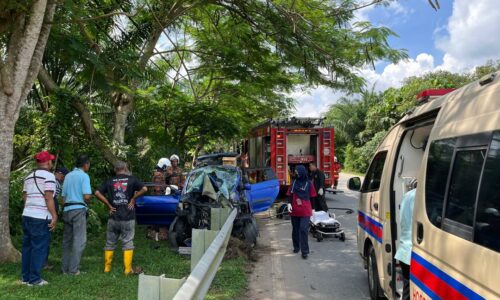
(349, 115)
(227, 54)
(25, 28)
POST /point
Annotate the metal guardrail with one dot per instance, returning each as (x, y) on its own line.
(208, 249)
(197, 284)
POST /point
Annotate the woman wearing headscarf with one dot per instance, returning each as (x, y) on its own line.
(301, 192)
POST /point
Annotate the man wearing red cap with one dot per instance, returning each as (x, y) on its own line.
(39, 218)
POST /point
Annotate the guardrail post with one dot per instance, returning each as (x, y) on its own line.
(149, 287)
(158, 287)
(218, 217)
(169, 287)
(207, 252)
(200, 241)
(198, 282)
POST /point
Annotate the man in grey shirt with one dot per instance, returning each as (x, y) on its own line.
(76, 194)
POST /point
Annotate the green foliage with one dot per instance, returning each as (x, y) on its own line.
(358, 158)
(361, 122)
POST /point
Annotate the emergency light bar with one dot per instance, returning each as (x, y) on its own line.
(430, 94)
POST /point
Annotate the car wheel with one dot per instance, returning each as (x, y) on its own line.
(373, 279)
(342, 237)
(177, 233)
(250, 234)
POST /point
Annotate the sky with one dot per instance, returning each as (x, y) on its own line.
(459, 36)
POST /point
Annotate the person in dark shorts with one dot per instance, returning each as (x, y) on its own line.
(119, 194)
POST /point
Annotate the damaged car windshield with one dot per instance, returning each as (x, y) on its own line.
(223, 180)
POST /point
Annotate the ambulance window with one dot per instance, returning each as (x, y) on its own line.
(374, 175)
(487, 225)
(464, 185)
(438, 168)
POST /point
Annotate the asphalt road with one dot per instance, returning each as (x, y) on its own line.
(332, 271)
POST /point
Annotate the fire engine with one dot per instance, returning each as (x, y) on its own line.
(282, 144)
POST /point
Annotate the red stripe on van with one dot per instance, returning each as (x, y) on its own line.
(369, 224)
(434, 283)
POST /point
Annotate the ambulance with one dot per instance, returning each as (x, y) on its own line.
(450, 143)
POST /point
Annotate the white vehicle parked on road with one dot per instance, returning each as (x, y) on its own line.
(451, 144)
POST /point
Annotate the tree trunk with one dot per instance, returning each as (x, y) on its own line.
(123, 106)
(123, 103)
(7, 251)
(18, 72)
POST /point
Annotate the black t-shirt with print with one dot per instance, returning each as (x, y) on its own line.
(119, 191)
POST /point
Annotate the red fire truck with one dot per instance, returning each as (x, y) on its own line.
(283, 144)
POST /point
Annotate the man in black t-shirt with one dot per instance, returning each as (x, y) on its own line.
(119, 194)
(318, 178)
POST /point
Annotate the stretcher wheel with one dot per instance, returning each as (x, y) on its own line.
(342, 237)
(319, 237)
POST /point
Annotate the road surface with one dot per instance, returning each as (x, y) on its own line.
(332, 271)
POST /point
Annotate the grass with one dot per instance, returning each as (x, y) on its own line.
(229, 283)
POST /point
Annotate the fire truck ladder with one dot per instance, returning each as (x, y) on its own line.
(281, 167)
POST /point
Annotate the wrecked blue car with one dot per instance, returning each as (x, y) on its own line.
(207, 187)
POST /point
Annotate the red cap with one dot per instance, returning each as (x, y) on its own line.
(44, 156)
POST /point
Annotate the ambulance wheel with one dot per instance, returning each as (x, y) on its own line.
(373, 279)
(342, 237)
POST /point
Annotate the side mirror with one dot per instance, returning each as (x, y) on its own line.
(247, 186)
(354, 184)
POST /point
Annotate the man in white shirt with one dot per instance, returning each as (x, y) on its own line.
(39, 218)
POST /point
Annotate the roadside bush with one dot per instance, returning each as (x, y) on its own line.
(358, 159)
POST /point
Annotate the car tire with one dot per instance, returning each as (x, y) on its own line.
(177, 233)
(373, 279)
(250, 234)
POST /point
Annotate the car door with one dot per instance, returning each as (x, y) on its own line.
(262, 194)
(156, 209)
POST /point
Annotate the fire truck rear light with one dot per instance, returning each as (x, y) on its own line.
(326, 166)
(280, 167)
(280, 159)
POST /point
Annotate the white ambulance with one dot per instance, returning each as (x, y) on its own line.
(450, 143)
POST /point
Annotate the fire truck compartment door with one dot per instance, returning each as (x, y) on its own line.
(263, 194)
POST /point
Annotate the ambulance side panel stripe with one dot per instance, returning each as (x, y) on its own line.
(424, 288)
(442, 285)
(371, 226)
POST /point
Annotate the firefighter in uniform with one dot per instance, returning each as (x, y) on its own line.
(318, 178)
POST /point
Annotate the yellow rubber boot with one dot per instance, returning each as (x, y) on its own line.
(127, 261)
(108, 259)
